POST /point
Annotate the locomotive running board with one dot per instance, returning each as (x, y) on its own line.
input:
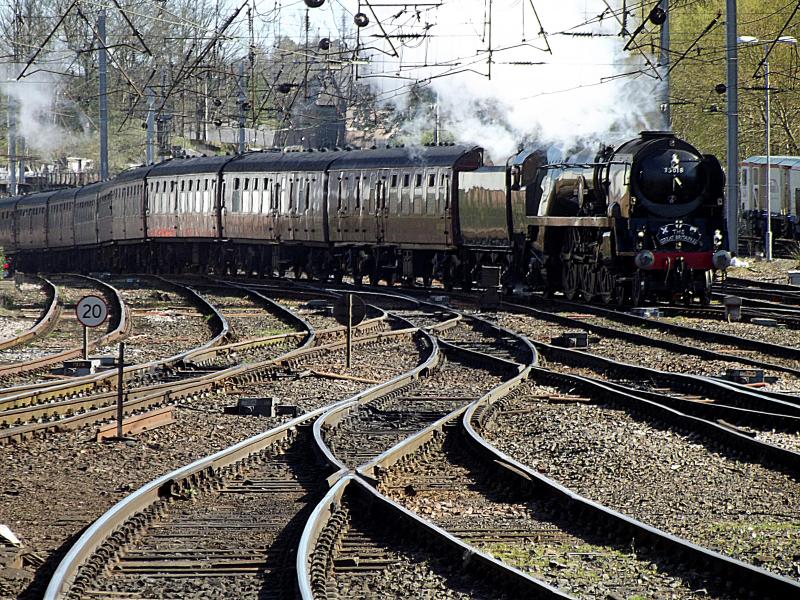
(569, 221)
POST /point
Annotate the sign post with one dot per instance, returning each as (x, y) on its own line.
(350, 312)
(120, 373)
(92, 311)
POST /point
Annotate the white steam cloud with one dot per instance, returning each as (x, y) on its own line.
(35, 97)
(580, 94)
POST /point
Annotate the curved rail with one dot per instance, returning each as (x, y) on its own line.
(47, 320)
(135, 400)
(127, 515)
(758, 581)
(311, 571)
(120, 331)
(309, 568)
(36, 394)
(674, 328)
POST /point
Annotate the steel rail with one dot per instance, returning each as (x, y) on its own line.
(175, 391)
(469, 560)
(46, 321)
(120, 331)
(64, 396)
(690, 333)
(30, 394)
(786, 460)
(308, 567)
(336, 415)
(680, 330)
(714, 389)
(753, 579)
(122, 516)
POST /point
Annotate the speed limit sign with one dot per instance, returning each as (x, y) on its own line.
(92, 311)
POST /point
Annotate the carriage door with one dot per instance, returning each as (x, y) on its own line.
(381, 206)
(369, 201)
(445, 202)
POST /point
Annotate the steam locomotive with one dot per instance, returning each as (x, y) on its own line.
(645, 220)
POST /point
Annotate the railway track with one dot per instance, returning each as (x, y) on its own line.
(278, 464)
(652, 465)
(15, 370)
(44, 323)
(36, 409)
(414, 443)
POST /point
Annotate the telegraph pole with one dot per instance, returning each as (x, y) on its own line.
(151, 121)
(12, 114)
(665, 61)
(732, 207)
(12, 144)
(103, 65)
(21, 160)
(242, 102)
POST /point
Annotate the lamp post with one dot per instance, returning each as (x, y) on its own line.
(749, 39)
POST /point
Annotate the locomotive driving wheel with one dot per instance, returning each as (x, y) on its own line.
(605, 284)
(571, 279)
(588, 281)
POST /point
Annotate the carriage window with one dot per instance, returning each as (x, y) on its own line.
(358, 193)
(246, 182)
(339, 200)
(406, 180)
(308, 196)
(418, 180)
(190, 185)
(237, 196)
(431, 180)
(394, 180)
(291, 194)
(255, 184)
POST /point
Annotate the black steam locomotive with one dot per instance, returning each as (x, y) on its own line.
(644, 220)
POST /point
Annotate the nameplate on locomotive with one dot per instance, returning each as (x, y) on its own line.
(678, 232)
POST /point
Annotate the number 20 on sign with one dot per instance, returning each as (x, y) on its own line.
(91, 311)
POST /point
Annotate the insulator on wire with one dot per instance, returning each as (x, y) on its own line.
(361, 20)
(314, 3)
(324, 44)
